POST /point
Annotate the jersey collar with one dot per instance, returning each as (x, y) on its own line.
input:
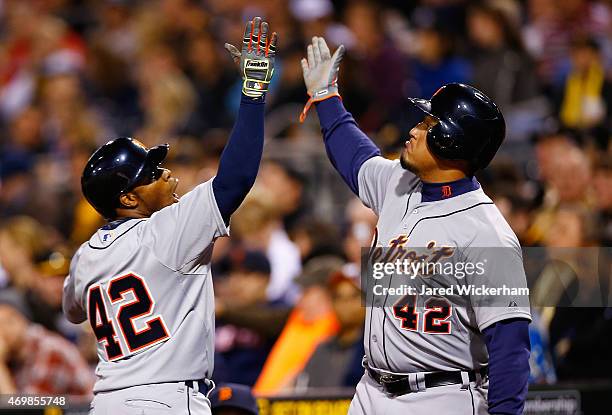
(432, 192)
(114, 224)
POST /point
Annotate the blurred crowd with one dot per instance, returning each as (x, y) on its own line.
(76, 73)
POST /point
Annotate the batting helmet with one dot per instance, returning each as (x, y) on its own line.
(117, 167)
(470, 126)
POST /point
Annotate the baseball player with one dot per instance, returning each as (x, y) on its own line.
(143, 280)
(426, 357)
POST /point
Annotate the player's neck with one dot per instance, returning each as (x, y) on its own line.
(131, 214)
(442, 176)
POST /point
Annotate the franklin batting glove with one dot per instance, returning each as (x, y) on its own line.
(256, 58)
(320, 73)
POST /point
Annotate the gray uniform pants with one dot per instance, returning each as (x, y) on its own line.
(371, 399)
(158, 399)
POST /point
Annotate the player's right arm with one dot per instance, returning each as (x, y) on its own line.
(350, 150)
(181, 234)
(71, 306)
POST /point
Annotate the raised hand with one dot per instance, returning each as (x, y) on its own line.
(256, 58)
(320, 72)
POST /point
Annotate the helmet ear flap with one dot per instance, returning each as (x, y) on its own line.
(442, 140)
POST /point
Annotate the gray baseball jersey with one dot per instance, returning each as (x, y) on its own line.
(145, 285)
(428, 339)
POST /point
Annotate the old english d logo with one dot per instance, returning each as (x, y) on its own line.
(446, 191)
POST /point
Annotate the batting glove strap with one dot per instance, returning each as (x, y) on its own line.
(321, 95)
(256, 75)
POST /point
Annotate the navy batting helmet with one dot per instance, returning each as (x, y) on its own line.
(117, 167)
(470, 126)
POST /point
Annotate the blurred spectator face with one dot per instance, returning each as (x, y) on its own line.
(484, 29)
(432, 46)
(518, 219)
(584, 57)
(62, 92)
(203, 57)
(567, 230)
(548, 151)
(12, 327)
(362, 19)
(315, 302)
(286, 190)
(571, 175)
(346, 300)
(21, 239)
(248, 288)
(602, 183)
(254, 220)
(362, 223)
(26, 128)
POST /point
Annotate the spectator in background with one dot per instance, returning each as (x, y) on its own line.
(552, 24)
(372, 60)
(435, 62)
(565, 172)
(500, 65)
(167, 97)
(315, 237)
(585, 97)
(240, 351)
(207, 67)
(359, 231)
(337, 361)
(233, 399)
(34, 360)
(311, 322)
(286, 186)
(44, 297)
(602, 183)
(257, 225)
(22, 239)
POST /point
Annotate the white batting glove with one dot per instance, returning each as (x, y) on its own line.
(320, 72)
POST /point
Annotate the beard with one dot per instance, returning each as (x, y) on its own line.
(406, 165)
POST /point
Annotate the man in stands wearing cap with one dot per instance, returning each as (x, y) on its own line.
(233, 399)
(241, 350)
(337, 361)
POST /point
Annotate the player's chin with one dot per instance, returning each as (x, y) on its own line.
(404, 159)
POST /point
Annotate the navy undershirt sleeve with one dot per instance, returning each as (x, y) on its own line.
(241, 157)
(509, 347)
(347, 146)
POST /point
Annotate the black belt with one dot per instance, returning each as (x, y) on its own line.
(400, 384)
(204, 386)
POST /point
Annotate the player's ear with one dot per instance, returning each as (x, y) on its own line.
(128, 200)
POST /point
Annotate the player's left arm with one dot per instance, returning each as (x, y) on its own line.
(348, 148)
(241, 157)
(509, 348)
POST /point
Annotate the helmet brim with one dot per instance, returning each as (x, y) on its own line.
(156, 155)
(424, 105)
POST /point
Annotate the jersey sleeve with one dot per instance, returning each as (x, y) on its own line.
(373, 179)
(500, 291)
(71, 304)
(181, 233)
